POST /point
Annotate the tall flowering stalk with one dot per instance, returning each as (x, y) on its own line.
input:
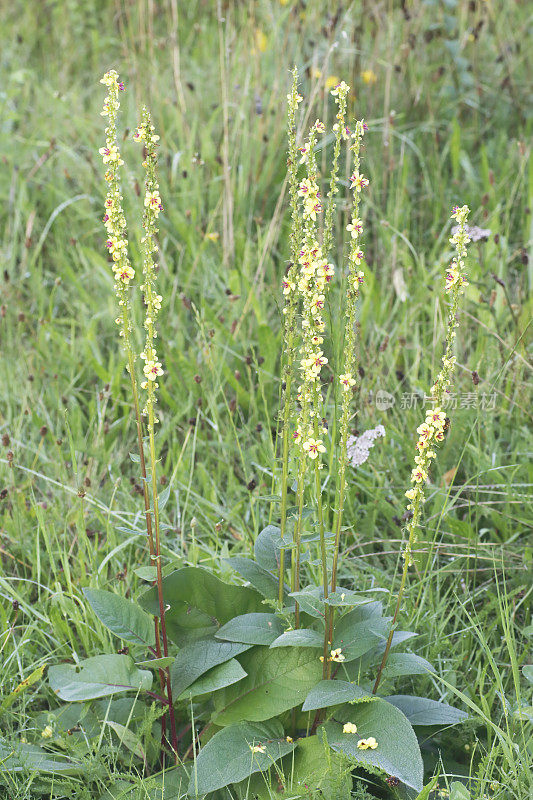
(117, 245)
(289, 312)
(341, 132)
(431, 431)
(152, 368)
(313, 277)
(347, 378)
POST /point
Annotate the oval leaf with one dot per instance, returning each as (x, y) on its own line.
(98, 677)
(302, 637)
(229, 757)
(267, 548)
(421, 711)
(333, 693)
(251, 629)
(397, 753)
(199, 603)
(260, 578)
(216, 678)
(121, 616)
(277, 680)
(406, 664)
(195, 659)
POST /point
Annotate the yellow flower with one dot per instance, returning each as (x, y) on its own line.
(369, 76)
(313, 447)
(257, 748)
(214, 236)
(418, 475)
(349, 727)
(152, 200)
(355, 227)
(152, 369)
(47, 732)
(125, 274)
(331, 81)
(367, 744)
(289, 739)
(346, 381)
(261, 41)
(336, 655)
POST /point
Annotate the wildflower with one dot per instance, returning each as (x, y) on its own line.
(261, 41)
(313, 447)
(47, 732)
(114, 219)
(125, 274)
(349, 727)
(367, 744)
(358, 448)
(436, 416)
(355, 227)
(336, 655)
(257, 748)
(418, 475)
(288, 286)
(289, 739)
(347, 381)
(369, 76)
(152, 203)
(358, 181)
(152, 370)
(332, 82)
(152, 200)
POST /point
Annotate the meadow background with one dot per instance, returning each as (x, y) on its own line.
(443, 86)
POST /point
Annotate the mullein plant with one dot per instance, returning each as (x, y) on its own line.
(431, 431)
(263, 687)
(305, 287)
(117, 245)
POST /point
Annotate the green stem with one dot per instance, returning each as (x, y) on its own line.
(284, 479)
(324, 564)
(407, 559)
(157, 556)
(295, 576)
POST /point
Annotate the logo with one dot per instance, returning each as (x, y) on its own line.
(384, 400)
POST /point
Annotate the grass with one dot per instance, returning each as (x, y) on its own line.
(448, 123)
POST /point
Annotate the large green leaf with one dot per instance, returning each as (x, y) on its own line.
(216, 678)
(260, 578)
(277, 680)
(406, 664)
(97, 677)
(333, 693)
(258, 628)
(199, 603)
(121, 616)
(228, 757)
(316, 773)
(311, 600)
(267, 548)
(421, 711)
(397, 752)
(197, 658)
(357, 638)
(301, 637)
